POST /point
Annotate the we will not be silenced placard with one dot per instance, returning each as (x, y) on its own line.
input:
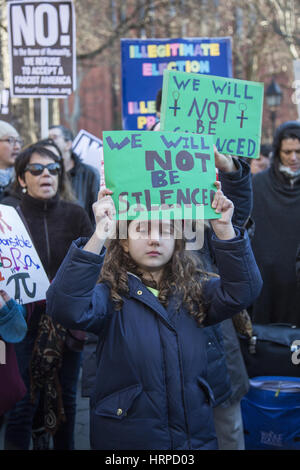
(164, 175)
(228, 109)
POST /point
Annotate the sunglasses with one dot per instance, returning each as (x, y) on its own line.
(37, 169)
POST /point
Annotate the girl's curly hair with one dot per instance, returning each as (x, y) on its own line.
(181, 277)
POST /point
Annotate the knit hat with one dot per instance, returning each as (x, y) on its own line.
(7, 129)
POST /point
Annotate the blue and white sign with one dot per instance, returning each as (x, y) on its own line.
(143, 64)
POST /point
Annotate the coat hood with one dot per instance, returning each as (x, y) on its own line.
(289, 129)
(285, 130)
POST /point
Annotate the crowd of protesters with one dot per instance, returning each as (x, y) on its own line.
(165, 320)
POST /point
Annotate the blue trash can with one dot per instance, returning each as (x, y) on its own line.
(271, 413)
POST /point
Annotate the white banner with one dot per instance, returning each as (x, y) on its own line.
(90, 149)
(42, 48)
(22, 275)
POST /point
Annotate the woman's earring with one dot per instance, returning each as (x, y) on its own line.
(24, 190)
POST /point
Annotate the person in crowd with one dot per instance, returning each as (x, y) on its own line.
(148, 309)
(226, 372)
(13, 328)
(263, 162)
(276, 210)
(14, 190)
(46, 361)
(85, 179)
(10, 146)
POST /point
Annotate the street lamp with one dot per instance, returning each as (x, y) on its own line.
(273, 97)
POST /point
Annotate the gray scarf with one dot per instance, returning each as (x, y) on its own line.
(6, 176)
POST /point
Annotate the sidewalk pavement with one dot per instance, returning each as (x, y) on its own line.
(82, 440)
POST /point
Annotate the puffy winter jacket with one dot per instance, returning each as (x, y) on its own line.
(151, 390)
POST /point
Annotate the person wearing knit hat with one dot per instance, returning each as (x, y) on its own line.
(10, 146)
(276, 215)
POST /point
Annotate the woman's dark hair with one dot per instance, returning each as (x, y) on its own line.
(182, 276)
(49, 143)
(22, 160)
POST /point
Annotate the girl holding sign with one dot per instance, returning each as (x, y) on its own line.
(148, 309)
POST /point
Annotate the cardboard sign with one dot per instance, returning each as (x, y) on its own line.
(162, 175)
(143, 64)
(228, 109)
(90, 149)
(22, 275)
(42, 48)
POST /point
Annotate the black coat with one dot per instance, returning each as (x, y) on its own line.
(276, 214)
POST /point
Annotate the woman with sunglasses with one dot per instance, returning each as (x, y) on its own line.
(53, 224)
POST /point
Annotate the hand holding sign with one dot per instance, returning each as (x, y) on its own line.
(105, 212)
(4, 297)
(222, 227)
(223, 162)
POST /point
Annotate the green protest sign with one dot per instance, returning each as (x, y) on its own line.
(228, 109)
(164, 175)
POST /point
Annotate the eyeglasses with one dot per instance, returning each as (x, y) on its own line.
(290, 152)
(13, 141)
(37, 169)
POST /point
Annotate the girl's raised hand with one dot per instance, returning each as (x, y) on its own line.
(224, 162)
(105, 212)
(222, 227)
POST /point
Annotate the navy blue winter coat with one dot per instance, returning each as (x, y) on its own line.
(151, 390)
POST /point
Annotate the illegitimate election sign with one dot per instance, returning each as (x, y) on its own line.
(228, 109)
(42, 48)
(22, 275)
(143, 64)
(90, 149)
(160, 174)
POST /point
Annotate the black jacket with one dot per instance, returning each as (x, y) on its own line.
(85, 181)
(276, 214)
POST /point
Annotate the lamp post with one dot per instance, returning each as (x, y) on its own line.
(273, 97)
